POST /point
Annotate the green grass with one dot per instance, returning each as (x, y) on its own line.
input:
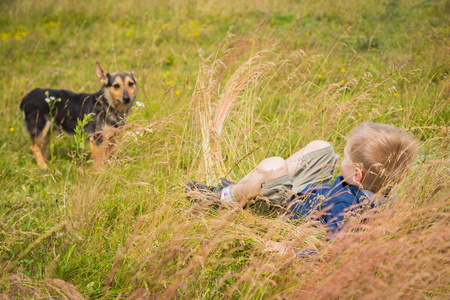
(128, 231)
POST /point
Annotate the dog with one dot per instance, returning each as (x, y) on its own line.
(108, 107)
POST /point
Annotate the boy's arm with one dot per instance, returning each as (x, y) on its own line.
(282, 249)
(278, 248)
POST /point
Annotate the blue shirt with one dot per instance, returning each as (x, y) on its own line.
(331, 201)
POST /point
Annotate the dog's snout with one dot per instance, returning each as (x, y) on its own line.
(126, 97)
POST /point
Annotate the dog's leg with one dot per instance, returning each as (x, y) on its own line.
(97, 150)
(40, 144)
(103, 145)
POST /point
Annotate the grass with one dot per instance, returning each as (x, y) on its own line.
(225, 85)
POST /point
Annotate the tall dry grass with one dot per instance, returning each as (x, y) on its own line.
(213, 114)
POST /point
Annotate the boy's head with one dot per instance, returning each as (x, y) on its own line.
(377, 155)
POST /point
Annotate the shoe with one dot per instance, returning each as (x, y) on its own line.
(209, 191)
(225, 182)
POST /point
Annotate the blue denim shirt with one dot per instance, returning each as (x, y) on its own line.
(329, 202)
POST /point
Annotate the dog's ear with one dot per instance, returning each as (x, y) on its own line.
(101, 73)
(132, 75)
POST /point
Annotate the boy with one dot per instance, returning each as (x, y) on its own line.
(376, 157)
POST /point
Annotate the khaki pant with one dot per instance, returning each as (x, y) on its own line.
(315, 167)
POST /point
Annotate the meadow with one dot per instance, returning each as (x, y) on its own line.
(223, 85)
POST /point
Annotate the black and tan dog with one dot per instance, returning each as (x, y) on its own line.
(109, 107)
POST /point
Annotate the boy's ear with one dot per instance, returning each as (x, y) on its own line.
(101, 73)
(359, 175)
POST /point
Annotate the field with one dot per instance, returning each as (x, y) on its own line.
(223, 85)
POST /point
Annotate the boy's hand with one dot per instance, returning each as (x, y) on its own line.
(278, 248)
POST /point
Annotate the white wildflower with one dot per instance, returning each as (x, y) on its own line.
(47, 100)
(139, 104)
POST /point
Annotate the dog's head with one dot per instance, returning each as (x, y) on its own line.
(120, 87)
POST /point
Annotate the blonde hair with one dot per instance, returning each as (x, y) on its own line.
(385, 153)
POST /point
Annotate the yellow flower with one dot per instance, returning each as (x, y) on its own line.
(169, 82)
(164, 74)
(400, 106)
(21, 79)
(177, 92)
(5, 35)
(19, 34)
(308, 34)
(396, 94)
(69, 73)
(373, 91)
(360, 114)
(342, 70)
(319, 76)
(52, 24)
(11, 129)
